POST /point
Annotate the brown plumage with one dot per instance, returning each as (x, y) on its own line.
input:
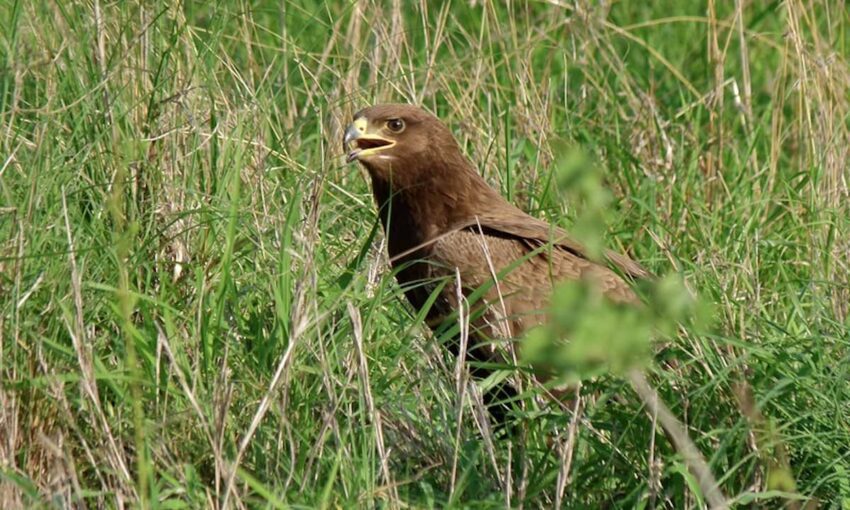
(441, 219)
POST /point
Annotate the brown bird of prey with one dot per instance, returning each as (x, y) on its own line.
(445, 226)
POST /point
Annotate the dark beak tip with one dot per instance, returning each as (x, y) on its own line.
(351, 133)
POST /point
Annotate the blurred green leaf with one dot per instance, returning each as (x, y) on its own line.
(588, 335)
(580, 179)
(780, 478)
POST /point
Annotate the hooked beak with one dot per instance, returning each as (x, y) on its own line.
(361, 143)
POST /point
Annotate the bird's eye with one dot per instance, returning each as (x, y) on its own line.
(395, 125)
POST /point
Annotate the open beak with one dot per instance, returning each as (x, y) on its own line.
(360, 143)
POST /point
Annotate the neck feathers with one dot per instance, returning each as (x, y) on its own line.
(417, 204)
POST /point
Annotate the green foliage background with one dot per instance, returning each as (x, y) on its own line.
(195, 308)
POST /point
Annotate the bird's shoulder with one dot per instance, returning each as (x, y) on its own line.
(480, 253)
(521, 264)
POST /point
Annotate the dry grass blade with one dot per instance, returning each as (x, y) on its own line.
(567, 449)
(374, 413)
(681, 441)
(83, 351)
(259, 414)
(193, 400)
(461, 374)
(300, 321)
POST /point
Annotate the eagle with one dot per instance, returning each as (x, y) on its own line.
(451, 237)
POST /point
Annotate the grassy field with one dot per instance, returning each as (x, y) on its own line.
(195, 305)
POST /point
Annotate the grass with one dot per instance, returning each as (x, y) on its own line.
(195, 305)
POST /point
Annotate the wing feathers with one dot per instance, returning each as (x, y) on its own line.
(519, 224)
